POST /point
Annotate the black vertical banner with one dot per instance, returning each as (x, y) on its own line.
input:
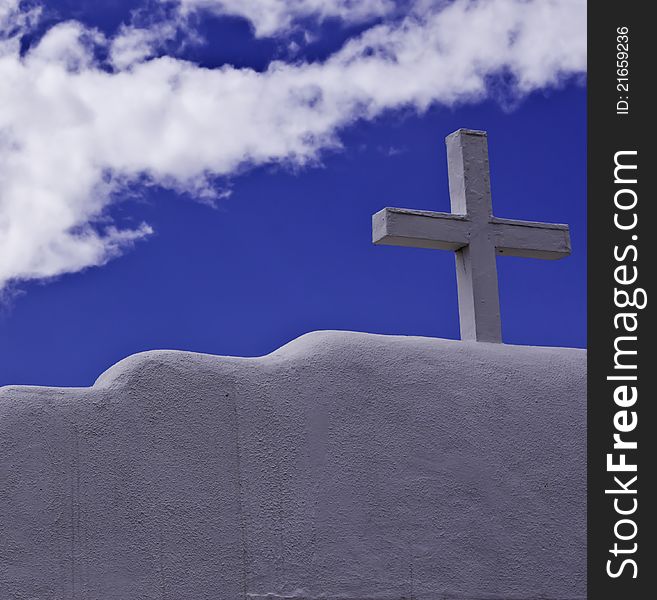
(622, 420)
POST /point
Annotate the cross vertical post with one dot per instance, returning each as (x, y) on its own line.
(469, 192)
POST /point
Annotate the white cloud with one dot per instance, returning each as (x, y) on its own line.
(135, 44)
(13, 20)
(269, 17)
(72, 134)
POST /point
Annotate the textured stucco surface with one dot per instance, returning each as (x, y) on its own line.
(341, 466)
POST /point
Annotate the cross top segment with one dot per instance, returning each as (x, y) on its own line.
(473, 233)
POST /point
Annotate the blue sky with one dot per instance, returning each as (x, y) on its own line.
(237, 240)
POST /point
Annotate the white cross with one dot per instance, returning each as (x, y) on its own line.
(473, 233)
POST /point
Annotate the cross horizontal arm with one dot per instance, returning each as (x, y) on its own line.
(419, 229)
(528, 239)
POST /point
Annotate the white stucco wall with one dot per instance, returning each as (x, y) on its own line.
(341, 466)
